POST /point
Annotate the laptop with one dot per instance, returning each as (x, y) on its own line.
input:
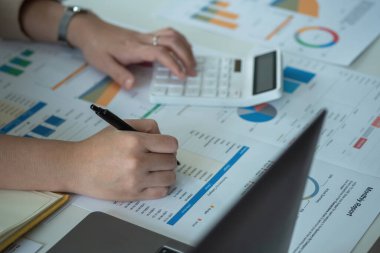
(262, 220)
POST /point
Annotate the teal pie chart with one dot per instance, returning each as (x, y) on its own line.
(258, 113)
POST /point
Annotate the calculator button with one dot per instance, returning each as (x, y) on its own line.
(176, 81)
(212, 63)
(226, 64)
(234, 93)
(208, 92)
(193, 81)
(159, 90)
(175, 91)
(210, 74)
(222, 93)
(192, 92)
(224, 83)
(162, 81)
(162, 74)
(210, 83)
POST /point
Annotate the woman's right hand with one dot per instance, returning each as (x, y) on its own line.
(123, 165)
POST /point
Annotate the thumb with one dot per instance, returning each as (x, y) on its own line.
(119, 73)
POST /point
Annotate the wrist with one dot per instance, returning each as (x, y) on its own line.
(80, 29)
(72, 166)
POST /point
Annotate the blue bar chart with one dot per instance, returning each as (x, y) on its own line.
(293, 78)
(24, 115)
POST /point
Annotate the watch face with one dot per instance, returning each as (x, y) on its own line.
(76, 9)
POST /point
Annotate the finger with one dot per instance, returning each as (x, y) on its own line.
(160, 179)
(145, 125)
(165, 57)
(118, 73)
(160, 162)
(154, 193)
(158, 143)
(176, 38)
(172, 32)
(183, 53)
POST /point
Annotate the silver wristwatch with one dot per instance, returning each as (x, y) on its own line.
(70, 12)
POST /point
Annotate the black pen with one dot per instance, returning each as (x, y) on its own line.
(113, 120)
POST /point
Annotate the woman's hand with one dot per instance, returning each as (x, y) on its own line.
(110, 48)
(121, 165)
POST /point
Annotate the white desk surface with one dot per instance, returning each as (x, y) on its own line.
(139, 14)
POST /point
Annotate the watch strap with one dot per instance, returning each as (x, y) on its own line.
(68, 14)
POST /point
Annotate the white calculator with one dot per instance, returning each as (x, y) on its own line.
(222, 81)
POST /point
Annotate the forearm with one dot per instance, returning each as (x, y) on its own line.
(40, 19)
(34, 164)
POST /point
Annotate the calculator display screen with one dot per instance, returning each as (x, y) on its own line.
(264, 73)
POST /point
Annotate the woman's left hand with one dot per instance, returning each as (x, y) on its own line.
(110, 48)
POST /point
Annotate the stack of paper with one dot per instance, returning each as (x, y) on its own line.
(22, 210)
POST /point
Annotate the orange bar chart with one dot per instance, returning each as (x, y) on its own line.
(102, 93)
(220, 4)
(215, 21)
(222, 13)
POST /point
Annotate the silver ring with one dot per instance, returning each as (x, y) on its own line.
(155, 40)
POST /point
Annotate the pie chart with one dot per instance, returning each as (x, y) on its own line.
(258, 113)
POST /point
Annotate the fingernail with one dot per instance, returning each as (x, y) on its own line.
(128, 83)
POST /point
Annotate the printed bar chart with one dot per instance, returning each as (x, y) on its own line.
(102, 93)
(54, 120)
(215, 21)
(298, 74)
(43, 131)
(27, 52)
(294, 77)
(11, 70)
(216, 13)
(12, 66)
(290, 86)
(221, 13)
(306, 7)
(20, 62)
(220, 3)
(364, 138)
(20, 118)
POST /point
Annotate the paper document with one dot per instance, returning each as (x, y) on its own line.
(333, 31)
(38, 113)
(24, 246)
(222, 150)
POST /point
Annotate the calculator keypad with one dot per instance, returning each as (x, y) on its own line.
(213, 80)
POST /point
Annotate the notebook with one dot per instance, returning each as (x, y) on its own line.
(263, 220)
(20, 211)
